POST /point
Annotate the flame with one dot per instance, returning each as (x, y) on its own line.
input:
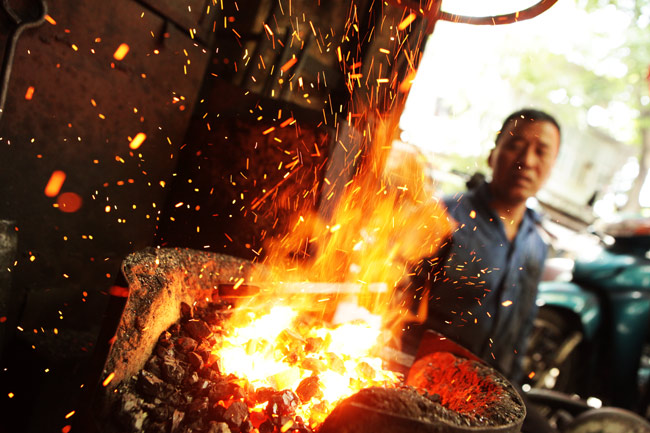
(328, 302)
(386, 219)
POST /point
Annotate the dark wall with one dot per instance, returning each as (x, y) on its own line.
(85, 108)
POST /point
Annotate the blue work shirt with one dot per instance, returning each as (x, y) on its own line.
(482, 288)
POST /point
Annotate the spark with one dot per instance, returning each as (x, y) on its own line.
(287, 122)
(506, 303)
(289, 64)
(50, 20)
(407, 21)
(55, 183)
(108, 379)
(121, 52)
(137, 140)
(30, 93)
(268, 30)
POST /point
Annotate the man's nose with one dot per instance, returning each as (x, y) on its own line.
(527, 158)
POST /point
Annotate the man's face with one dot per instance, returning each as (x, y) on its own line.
(522, 159)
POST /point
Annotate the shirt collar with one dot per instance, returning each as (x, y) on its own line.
(483, 196)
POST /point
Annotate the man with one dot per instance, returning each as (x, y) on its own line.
(481, 287)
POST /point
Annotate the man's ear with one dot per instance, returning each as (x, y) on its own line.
(490, 157)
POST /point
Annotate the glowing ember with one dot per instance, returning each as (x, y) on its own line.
(121, 52)
(55, 183)
(285, 350)
(29, 94)
(407, 21)
(138, 140)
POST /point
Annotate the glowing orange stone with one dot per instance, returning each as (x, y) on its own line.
(55, 183)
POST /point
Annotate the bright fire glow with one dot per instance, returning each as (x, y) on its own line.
(281, 349)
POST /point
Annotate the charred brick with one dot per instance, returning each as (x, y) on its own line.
(218, 427)
(216, 412)
(236, 414)
(198, 408)
(153, 365)
(246, 426)
(221, 390)
(187, 311)
(173, 370)
(156, 427)
(163, 351)
(150, 385)
(263, 394)
(239, 392)
(165, 339)
(177, 419)
(283, 403)
(190, 380)
(186, 344)
(202, 387)
(160, 413)
(266, 427)
(308, 388)
(210, 374)
(195, 360)
(198, 329)
(174, 329)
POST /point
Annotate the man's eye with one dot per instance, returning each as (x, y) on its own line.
(515, 144)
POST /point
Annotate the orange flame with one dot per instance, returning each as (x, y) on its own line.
(338, 273)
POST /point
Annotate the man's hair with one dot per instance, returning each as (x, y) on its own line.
(528, 115)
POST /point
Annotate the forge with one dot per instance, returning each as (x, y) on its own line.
(166, 371)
